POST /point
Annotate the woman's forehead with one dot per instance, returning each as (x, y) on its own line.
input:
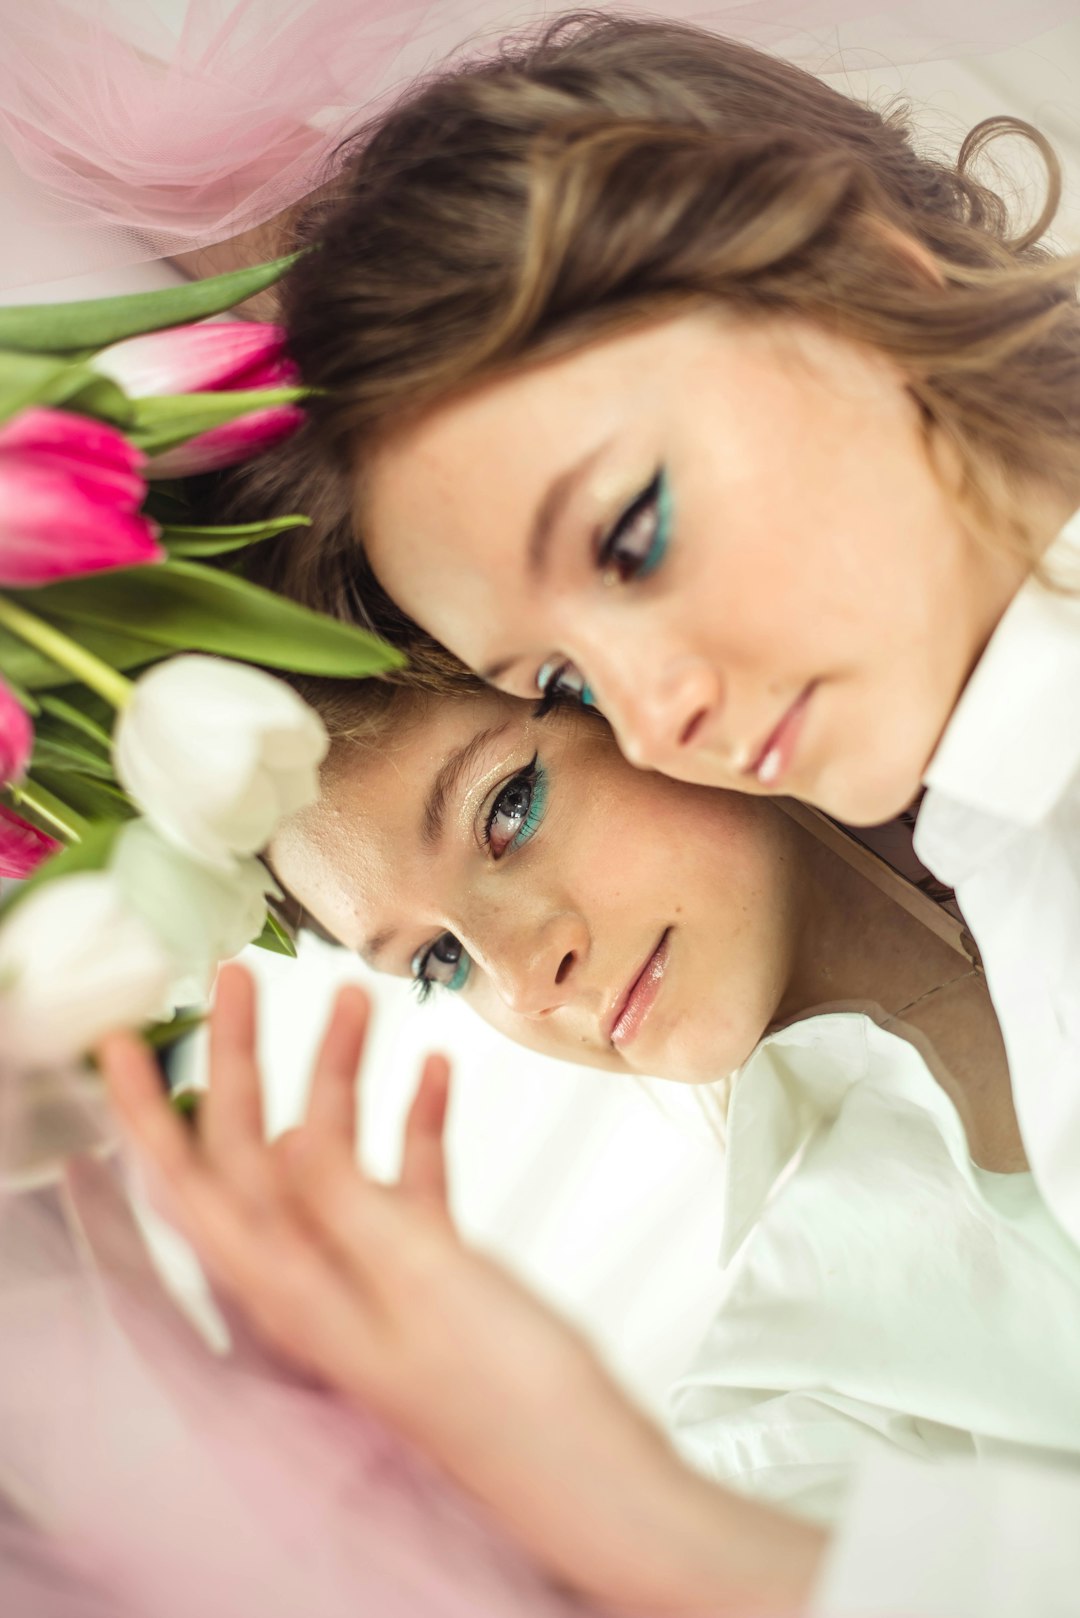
(361, 848)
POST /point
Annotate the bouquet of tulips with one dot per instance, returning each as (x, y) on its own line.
(143, 760)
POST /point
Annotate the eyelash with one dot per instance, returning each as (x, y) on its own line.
(535, 777)
(557, 695)
(655, 496)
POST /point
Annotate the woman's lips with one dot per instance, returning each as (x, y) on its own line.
(773, 759)
(637, 1003)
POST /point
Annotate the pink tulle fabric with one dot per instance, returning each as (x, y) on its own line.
(138, 129)
(143, 1475)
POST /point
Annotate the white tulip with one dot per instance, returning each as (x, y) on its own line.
(75, 962)
(215, 753)
(199, 916)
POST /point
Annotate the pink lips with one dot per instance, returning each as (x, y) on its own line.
(638, 1002)
(773, 759)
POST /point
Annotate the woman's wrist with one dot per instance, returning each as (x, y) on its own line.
(730, 1553)
(623, 1520)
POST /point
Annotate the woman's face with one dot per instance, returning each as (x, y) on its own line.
(729, 533)
(587, 909)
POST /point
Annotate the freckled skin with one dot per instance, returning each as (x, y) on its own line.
(619, 856)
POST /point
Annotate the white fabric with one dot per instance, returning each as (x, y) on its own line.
(1001, 825)
(955, 1541)
(876, 1296)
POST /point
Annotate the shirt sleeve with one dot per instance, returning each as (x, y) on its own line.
(963, 1539)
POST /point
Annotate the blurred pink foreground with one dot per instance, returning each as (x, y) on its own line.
(143, 1474)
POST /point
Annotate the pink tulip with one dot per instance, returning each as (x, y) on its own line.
(22, 846)
(16, 736)
(217, 357)
(234, 441)
(70, 492)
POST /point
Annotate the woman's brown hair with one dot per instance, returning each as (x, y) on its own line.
(606, 172)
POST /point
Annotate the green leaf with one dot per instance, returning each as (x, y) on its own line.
(66, 711)
(57, 752)
(184, 606)
(187, 1103)
(162, 1034)
(25, 379)
(39, 379)
(60, 328)
(274, 938)
(163, 422)
(91, 800)
(22, 695)
(83, 390)
(190, 541)
(46, 804)
(25, 665)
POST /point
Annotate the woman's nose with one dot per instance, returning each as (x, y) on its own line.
(659, 708)
(537, 969)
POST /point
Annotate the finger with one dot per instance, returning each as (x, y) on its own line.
(371, 1231)
(230, 1118)
(332, 1101)
(423, 1161)
(264, 1274)
(286, 1287)
(136, 1090)
(280, 1288)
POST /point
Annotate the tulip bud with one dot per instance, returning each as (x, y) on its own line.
(16, 737)
(215, 753)
(22, 846)
(218, 357)
(199, 916)
(75, 962)
(70, 492)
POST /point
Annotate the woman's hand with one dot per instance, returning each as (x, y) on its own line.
(368, 1287)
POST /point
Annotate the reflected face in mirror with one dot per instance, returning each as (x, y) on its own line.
(727, 535)
(585, 908)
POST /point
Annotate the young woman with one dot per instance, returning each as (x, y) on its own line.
(651, 372)
(882, 1287)
(901, 297)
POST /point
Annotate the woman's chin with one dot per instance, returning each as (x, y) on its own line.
(866, 797)
(694, 1056)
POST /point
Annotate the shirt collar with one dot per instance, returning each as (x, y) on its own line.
(795, 1080)
(1013, 742)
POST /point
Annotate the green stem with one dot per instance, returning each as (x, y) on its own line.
(67, 653)
(56, 815)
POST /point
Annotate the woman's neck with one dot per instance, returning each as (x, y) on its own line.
(853, 943)
(995, 573)
(856, 949)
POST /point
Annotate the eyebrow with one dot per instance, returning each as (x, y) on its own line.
(549, 514)
(375, 945)
(448, 779)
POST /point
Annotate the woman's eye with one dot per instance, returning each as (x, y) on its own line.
(517, 811)
(636, 545)
(559, 681)
(444, 962)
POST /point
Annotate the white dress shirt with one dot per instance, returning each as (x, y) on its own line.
(882, 1293)
(1000, 824)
